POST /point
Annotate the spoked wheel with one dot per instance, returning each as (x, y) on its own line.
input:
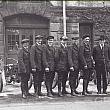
(30, 81)
(1, 83)
(55, 81)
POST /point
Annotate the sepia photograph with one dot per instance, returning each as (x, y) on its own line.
(54, 55)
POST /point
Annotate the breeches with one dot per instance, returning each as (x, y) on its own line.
(38, 77)
(87, 73)
(49, 76)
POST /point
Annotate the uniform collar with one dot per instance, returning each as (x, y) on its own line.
(64, 45)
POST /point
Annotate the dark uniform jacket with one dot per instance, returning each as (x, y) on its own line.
(62, 59)
(36, 57)
(49, 57)
(24, 65)
(85, 55)
(73, 56)
(101, 55)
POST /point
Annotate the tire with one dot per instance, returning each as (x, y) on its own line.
(1, 83)
(77, 82)
(55, 81)
(30, 82)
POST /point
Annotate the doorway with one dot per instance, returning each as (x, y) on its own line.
(18, 27)
(86, 29)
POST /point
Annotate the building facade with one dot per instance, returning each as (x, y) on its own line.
(25, 19)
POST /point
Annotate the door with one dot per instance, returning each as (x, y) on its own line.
(86, 29)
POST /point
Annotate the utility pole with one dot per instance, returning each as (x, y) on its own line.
(64, 17)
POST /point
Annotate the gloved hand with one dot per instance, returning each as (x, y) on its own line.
(47, 69)
(85, 67)
(34, 70)
(71, 68)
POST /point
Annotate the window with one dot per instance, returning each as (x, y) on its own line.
(12, 38)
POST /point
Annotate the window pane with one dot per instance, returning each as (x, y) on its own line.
(12, 38)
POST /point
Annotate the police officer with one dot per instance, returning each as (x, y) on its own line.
(24, 67)
(101, 55)
(62, 66)
(86, 62)
(73, 57)
(36, 55)
(49, 64)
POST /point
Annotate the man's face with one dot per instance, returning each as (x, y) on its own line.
(50, 42)
(86, 40)
(38, 41)
(25, 45)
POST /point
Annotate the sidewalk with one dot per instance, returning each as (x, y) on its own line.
(15, 88)
(12, 95)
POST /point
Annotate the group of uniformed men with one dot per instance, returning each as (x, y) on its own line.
(44, 60)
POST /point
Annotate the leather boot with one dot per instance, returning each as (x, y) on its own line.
(72, 92)
(84, 87)
(24, 96)
(49, 94)
(36, 91)
(39, 90)
(59, 90)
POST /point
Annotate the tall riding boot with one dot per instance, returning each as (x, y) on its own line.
(59, 89)
(39, 90)
(64, 89)
(49, 94)
(72, 92)
(84, 87)
(24, 90)
(35, 90)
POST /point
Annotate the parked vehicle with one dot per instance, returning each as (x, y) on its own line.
(1, 74)
(1, 82)
(11, 72)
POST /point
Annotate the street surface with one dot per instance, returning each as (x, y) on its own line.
(10, 99)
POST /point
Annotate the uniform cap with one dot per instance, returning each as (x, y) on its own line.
(85, 36)
(50, 37)
(64, 38)
(38, 37)
(24, 41)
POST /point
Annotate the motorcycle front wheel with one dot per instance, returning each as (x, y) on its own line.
(1, 83)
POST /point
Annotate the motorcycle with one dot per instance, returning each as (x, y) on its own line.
(11, 73)
(1, 81)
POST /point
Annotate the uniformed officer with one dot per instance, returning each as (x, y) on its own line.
(62, 66)
(101, 55)
(36, 56)
(86, 62)
(73, 57)
(49, 64)
(24, 67)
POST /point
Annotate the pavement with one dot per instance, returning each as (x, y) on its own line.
(11, 99)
